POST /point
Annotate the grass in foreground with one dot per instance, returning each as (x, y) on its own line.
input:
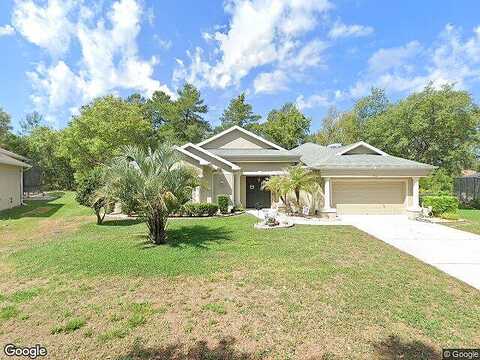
(221, 289)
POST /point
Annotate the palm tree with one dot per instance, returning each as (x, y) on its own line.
(300, 178)
(277, 185)
(157, 181)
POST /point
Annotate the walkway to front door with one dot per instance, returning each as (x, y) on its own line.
(255, 196)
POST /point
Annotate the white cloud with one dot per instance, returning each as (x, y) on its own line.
(451, 59)
(313, 101)
(6, 30)
(393, 58)
(109, 57)
(260, 32)
(48, 27)
(58, 84)
(270, 82)
(309, 55)
(341, 30)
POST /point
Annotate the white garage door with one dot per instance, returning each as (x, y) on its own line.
(373, 197)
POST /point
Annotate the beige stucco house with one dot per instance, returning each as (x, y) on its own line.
(357, 178)
(11, 179)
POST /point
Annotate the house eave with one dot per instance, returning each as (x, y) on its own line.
(260, 158)
(373, 171)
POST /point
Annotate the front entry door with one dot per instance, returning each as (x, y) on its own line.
(256, 197)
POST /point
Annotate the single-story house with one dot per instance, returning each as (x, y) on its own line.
(11, 179)
(357, 178)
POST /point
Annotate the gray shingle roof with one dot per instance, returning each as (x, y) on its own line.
(7, 160)
(12, 154)
(256, 154)
(322, 157)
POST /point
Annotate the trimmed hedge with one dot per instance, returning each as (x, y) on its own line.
(199, 209)
(223, 201)
(441, 204)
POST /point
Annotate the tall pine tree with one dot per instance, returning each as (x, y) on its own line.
(238, 112)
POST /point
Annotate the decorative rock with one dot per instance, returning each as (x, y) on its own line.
(281, 225)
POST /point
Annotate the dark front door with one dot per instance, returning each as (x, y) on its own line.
(256, 197)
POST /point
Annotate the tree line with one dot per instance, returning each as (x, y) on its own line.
(435, 126)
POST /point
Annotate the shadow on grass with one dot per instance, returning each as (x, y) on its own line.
(33, 209)
(395, 348)
(198, 236)
(198, 351)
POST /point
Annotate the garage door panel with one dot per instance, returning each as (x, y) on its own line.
(370, 209)
(369, 197)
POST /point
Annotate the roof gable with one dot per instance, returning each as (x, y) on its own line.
(199, 152)
(192, 156)
(321, 157)
(360, 148)
(238, 138)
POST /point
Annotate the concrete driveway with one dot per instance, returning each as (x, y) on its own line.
(453, 251)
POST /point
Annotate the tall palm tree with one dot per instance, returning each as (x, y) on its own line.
(157, 182)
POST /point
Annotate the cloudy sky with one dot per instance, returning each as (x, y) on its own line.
(56, 55)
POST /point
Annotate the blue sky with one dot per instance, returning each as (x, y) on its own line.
(59, 54)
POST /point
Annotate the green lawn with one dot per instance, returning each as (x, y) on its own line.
(220, 289)
(472, 223)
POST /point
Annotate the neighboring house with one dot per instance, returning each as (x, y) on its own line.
(357, 179)
(11, 179)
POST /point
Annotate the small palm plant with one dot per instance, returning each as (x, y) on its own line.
(157, 181)
(277, 185)
(300, 178)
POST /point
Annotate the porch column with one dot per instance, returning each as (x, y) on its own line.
(196, 194)
(416, 193)
(236, 180)
(211, 193)
(327, 193)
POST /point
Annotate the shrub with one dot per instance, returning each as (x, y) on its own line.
(441, 204)
(237, 208)
(223, 201)
(89, 194)
(210, 209)
(199, 209)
